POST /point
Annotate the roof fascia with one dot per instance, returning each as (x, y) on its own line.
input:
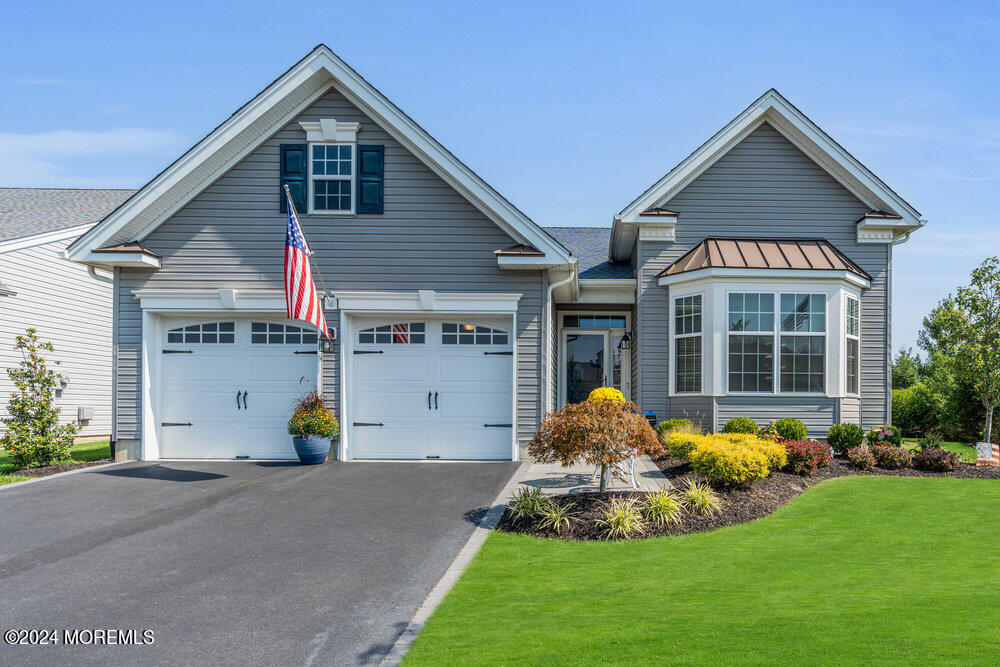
(44, 237)
(370, 101)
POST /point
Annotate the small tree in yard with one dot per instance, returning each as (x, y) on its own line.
(34, 436)
(603, 432)
(972, 331)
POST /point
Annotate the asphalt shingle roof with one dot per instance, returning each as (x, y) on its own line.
(590, 247)
(30, 211)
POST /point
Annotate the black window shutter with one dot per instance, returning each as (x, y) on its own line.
(371, 161)
(293, 174)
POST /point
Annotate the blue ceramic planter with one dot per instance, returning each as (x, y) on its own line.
(311, 450)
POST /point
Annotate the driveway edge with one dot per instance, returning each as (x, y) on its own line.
(25, 482)
(455, 570)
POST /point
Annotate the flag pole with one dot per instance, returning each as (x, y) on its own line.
(315, 265)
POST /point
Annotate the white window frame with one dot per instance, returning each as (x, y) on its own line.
(848, 298)
(172, 329)
(772, 332)
(674, 336)
(327, 177)
(807, 334)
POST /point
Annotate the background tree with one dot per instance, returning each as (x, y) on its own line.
(970, 330)
(906, 369)
(34, 436)
(601, 433)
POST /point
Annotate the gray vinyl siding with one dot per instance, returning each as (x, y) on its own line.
(429, 237)
(850, 410)
(817, 413)
(765, 187)
(699, 409)
(71, 310)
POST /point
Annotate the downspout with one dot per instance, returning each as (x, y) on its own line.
(548, 333)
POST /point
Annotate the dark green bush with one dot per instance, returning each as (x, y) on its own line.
(671, 425)
(845, 436)
(791, 429)
(936, 459)
(916, 410)
(740, 425)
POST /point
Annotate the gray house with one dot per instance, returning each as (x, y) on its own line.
(69, 304)
(752, 279)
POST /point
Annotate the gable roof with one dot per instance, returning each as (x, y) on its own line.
(26, 212)
(272, 108)
(803, 133)
(726, 253)
(590, 246)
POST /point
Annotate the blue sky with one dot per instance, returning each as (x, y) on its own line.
(569, 109)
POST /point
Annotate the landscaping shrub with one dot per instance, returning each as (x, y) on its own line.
(675, 425)
(528, 502)
(791, 429)
(555, 516)
(891, 457)
(680, 445)
(805, 456)
(662, 507)
(770, 432)
(773, 451)
(729, 464)
(916, 409)
(312, 418)
(601, 433)
(34, 435)
(843, 437)
(606, 394)
(930, 441)
(861, 457)
(621, 518)
(936, 459)
(884, 435)
(740, 425)
(701, 499)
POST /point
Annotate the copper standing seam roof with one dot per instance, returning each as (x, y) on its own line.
(816, 254)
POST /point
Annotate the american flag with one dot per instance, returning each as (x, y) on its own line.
(300, 290)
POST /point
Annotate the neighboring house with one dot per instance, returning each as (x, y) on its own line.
(460, 321)
(69, 304)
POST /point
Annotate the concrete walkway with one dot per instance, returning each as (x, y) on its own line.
(554, 479)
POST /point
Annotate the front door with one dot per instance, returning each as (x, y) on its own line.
(585, 367)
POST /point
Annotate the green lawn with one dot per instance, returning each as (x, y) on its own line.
(856, 570)
(83, 451)
(967, 453)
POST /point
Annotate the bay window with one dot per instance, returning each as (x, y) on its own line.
(687, 343)
(751, 342)
(803, 342)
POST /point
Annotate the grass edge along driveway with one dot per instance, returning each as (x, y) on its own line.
(81, 451)
(857, 569)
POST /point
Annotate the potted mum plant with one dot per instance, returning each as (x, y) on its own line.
(312, 427)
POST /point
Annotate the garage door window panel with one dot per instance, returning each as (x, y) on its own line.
(273, 333)
(400, 333)
(204, 333)
(464, 333)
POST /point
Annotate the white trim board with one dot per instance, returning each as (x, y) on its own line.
(321, 63)
(44, 237)
(811, 275)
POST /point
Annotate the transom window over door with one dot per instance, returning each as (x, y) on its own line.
(687, 343)
(751, 342)
(400, 333)
(331, 168)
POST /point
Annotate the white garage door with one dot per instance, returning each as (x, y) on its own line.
(424, 388)
(229, 386)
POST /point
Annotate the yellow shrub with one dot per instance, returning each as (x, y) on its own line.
(728, 463)
(682, 444)
(606, 394)
(775, 452)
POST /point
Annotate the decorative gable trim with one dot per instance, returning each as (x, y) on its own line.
(329, 129)
(251, 125)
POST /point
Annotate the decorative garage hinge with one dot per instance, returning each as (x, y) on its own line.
(176, 424)
(506, 353)
(369, 351)
(178, 351)
(498, 425)
(368, 424)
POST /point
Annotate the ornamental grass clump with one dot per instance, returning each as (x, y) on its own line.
(861, 457)
(805, 456)
(528, 502)
(34, 437)
(312, 418)
(892, 458)
(843, 437)
(601, 433)
(662, 507)
(555, 516)
(701, 499)
(935, 459)
(621, 518)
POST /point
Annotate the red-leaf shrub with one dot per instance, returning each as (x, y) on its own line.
(936, 459)
(861, 457)
(602, 433)
(804, 456)
(890, 457)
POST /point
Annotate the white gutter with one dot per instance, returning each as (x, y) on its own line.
(548, 336)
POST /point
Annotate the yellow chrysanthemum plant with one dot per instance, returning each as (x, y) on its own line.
(602, 394)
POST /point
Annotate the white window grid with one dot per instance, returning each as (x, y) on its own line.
(204, 333)
(399, 333)
(332, 171)
(688, 346)
(852, 333)
(274, 333)
(465, 333)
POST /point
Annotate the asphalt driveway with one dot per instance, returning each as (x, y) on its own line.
(234, 561)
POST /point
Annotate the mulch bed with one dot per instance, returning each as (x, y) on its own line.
(738, 505)
(57, 468)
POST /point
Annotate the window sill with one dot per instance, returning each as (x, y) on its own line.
(331, 213)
